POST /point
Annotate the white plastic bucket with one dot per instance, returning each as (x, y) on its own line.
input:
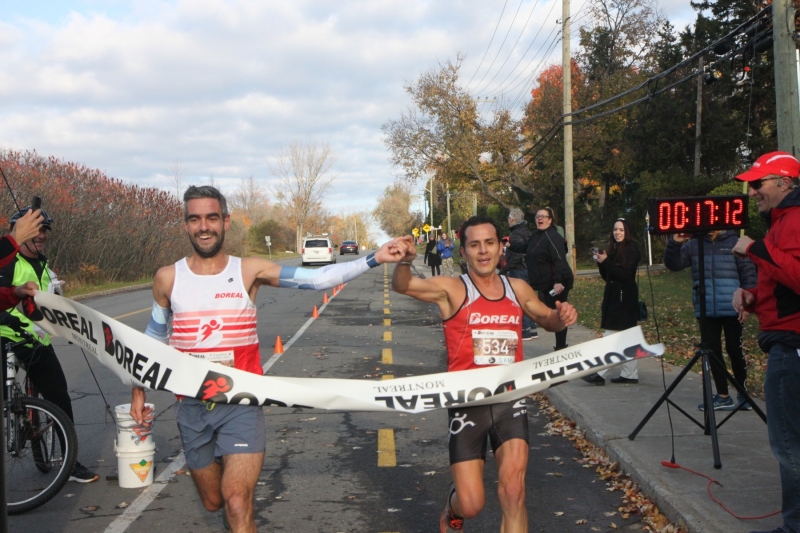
(133, 437)
(135, 468)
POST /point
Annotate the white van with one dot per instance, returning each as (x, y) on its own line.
(317, 250)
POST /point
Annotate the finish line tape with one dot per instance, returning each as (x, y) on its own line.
(140, 360)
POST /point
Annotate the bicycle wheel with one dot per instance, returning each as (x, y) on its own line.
(43, 427)
(45, 449)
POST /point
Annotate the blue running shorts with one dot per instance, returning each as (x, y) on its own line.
(212, 430)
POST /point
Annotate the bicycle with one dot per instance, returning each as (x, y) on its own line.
(41, 445)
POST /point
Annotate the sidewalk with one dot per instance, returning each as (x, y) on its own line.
(608, 414)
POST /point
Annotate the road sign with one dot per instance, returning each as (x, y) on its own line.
(415, 231)
(426, 228)
(267, 239)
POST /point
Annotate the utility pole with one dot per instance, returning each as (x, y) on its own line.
(449, 227)
(786, 83)
(566, 68)
(698, 121)
(429, 238)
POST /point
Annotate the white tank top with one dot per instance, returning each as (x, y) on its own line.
(213, 317)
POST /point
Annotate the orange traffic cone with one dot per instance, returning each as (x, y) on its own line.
(278, 345)
(333, 292)
(325, 298)
(315, 313)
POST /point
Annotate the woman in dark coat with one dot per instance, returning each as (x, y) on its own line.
(432, 257)
(620, 310)
(548, 270)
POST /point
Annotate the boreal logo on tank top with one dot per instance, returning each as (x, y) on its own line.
(209, 333)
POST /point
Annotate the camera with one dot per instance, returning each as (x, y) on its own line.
(553, 293)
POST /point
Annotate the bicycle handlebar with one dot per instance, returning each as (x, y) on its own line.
(9, 320)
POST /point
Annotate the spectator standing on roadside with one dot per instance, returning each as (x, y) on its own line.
(40, 360)
(548, 271)
(724, 274)
(515, 261)
(432, 257)
(620, 309)
(445, 248)
(773, 181)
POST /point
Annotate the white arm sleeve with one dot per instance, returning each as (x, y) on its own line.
(158, 327)
(325, 277)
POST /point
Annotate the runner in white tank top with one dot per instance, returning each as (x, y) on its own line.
(211, 295)
(213, 317)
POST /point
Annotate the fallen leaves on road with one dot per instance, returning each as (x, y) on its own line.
(633, 501)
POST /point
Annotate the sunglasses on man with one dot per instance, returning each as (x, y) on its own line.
(756, 184)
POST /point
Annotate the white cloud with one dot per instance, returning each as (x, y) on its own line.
(132, 86)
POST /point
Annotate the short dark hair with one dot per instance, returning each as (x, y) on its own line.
(204, 191)
(476, 221)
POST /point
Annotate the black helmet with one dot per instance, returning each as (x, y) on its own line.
(46, 223)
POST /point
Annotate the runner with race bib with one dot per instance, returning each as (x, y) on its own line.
(482, 319)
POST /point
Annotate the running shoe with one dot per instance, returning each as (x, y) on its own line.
(744, 405)
(81, 474)
(720, 404)
(527, 335)
(595, 379)
(449, 521)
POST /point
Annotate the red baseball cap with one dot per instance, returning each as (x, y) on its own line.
(773, 163)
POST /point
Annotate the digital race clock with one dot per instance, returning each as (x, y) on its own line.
(699, 214)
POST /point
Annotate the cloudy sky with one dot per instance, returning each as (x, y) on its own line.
(134, 87)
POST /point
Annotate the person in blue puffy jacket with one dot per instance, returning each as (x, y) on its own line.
(724, 274)
(445, 247)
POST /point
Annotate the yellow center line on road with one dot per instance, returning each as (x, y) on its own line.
(387, 321)
(386, 311)
(387, 336)
(386, 452)
(131, 313)
(386, 302)
(386, 356)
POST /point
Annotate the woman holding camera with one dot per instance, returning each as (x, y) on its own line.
(548, 270)
(618, 264)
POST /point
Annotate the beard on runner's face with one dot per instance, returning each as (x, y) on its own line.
(210, 250)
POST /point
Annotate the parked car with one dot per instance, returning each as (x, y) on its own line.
(317, 250)
(348, 247)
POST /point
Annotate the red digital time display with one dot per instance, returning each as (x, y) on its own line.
(697, 214)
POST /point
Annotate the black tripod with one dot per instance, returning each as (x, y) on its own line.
(705, 355)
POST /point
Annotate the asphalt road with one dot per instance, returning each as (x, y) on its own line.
(322, 469)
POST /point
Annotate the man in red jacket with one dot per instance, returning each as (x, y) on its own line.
(773, 181)
(26, 228)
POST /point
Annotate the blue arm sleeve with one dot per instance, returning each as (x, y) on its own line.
(158, 327)
(325, 277)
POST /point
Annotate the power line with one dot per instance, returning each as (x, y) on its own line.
(501, 44)
(490, 42)
(515, 45)
(533, 41)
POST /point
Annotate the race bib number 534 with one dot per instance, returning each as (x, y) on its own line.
(494, 347)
